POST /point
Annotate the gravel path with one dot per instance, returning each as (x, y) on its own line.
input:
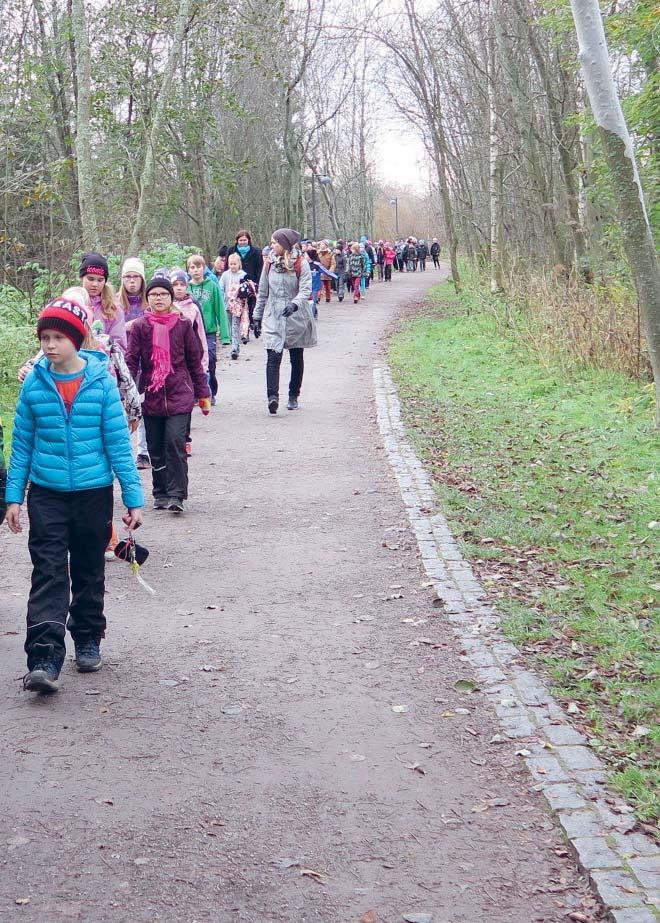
(264, 742)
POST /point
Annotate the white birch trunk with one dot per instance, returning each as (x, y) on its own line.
(496, 166)
(635, 228)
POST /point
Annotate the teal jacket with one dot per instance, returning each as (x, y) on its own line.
(3, 475)
(78, 451)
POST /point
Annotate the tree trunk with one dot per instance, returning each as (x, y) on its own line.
(89, 225)
(635, 228)
(148, 178)
(496, 165)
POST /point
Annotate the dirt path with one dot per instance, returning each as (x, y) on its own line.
(244, 720)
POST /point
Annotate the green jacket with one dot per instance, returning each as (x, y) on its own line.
(3, 475)
(211, 302)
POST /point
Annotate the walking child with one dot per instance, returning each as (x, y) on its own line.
(70, 441)
(94, 275)
(355, 266)
(208, 295)
(237, 308)
(164, 349)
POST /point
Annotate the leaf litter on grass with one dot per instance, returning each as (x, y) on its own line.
(548, 488)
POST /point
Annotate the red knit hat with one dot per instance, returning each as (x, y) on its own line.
(65, 316)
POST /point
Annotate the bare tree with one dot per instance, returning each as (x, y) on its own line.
(88, 221)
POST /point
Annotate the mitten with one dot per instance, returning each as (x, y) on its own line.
(205, 405)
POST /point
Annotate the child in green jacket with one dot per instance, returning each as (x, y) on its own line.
(207, 293)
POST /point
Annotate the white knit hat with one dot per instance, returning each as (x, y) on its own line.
(133, 264)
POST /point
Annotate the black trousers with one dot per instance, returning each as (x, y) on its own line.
(388, 272)
(69, 532)
(436, 262)
(273, 372)
(166, 441)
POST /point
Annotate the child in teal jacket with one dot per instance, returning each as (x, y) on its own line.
(70, 441)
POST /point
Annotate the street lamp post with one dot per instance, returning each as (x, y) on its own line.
(395, 203)
(324, 181)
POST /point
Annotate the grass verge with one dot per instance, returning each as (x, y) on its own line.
(549, 478)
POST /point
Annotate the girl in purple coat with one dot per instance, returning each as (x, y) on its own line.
(164, 349)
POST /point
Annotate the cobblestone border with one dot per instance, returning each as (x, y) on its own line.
(624, 868)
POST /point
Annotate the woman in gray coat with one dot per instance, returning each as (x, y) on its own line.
(284, 312)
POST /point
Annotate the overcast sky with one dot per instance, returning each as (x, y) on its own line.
(401, 159)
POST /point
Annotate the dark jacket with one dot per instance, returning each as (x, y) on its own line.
(186, 383)
(422, 251)
(435, 249)
(253, 262)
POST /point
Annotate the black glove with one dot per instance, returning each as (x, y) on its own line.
(290, 309)
(256, 328)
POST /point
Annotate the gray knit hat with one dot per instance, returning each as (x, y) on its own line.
(287, 237)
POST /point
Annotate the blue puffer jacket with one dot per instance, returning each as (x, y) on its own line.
(76, 452)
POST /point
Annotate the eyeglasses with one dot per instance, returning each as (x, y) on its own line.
(159, 295)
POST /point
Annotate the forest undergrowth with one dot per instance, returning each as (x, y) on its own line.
(546, 467)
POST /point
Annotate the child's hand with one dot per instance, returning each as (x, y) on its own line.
(23, 372)
(14, 517)
(205, 405)
(132, 519)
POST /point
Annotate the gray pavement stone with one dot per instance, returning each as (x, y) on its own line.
(546, 768)
(531, 689)
(490, 675)
(634, 915)
(518, 726)
(581, 823)
(594, 853)
(617, 889)
(562, 735)
(564, 795)
(634, 844)
(647, 870)
(578, 758)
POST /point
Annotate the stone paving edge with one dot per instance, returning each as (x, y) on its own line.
(624, 872)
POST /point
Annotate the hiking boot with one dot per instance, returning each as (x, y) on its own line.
(88, 656)
(161, 503)
(292, 403)
(244, 341)
(43, 677)
(273, 404)
(175, 505)
(143, 462)
(234, 354)
(189, 448)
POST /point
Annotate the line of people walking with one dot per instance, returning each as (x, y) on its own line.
(139, 362)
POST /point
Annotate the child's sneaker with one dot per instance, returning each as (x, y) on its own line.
(161, 503)
(143, 462)
(175, 505)
(189, 448)
(112, 544)
(88, 656)
(43, 677)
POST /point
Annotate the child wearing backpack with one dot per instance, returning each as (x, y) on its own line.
(355, 267)
(70, 441)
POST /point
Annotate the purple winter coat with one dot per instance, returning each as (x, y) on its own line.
(186, 384)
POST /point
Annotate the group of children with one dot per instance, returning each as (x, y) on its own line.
(107, 365)
(140, 361)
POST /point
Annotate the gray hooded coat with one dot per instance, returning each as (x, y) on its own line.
(276, 290)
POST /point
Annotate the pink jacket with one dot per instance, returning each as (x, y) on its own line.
(188, 308)
(390, 254)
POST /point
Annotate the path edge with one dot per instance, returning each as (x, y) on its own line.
(624, 869)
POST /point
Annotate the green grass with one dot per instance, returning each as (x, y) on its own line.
(550, 481)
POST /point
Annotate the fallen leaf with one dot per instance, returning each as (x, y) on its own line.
(369, 917)
(465, 685)
(578, 917)
(315, 876)
(447, 714)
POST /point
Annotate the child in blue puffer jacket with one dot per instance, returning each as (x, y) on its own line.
(70, 441)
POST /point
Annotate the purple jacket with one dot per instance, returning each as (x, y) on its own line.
(186, 383)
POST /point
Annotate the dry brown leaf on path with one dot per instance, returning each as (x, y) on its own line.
(369, 917)
(315, 876)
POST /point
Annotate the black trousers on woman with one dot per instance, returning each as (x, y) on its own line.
(273, 372)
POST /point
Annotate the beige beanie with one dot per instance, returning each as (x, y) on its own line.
(133, 264)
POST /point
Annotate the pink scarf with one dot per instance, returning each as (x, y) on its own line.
(160, 351)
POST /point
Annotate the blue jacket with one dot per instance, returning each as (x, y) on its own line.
(81, 451)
